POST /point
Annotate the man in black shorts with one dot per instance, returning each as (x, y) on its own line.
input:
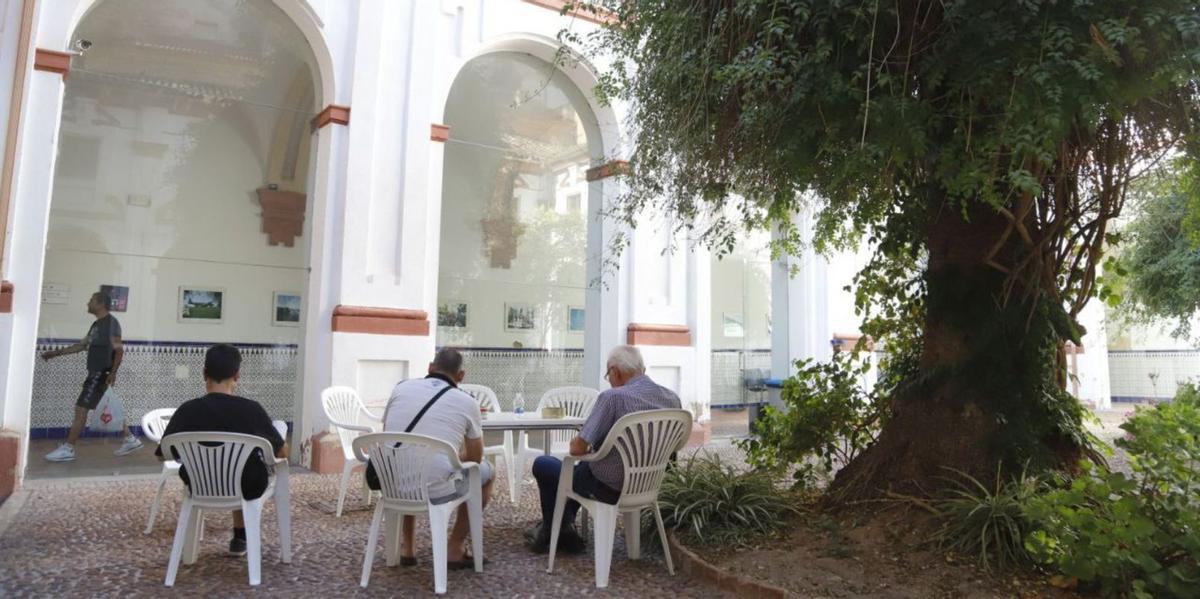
(222, 411)
(104, 354)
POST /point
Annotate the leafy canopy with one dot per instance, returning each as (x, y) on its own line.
(880, 116)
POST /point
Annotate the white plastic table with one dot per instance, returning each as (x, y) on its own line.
(507, 421)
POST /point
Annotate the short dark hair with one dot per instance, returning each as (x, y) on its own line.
(221, 362)
(103, 298)
(448, 361)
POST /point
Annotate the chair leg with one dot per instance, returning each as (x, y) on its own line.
(475, 518)
(162, 483)
(181, 533)
(605, 530)
(511, 466)
(283, 513)
(439, 523)
(369, 558)
(391, 538)
(252, 514)
(633, 534)
(556, 523)
(195, 534)
(345, 484)
(662, 536)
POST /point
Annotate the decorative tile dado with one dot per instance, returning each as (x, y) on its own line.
(529, 372)
(163, 375)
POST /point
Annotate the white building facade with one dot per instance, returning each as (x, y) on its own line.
(338, 187)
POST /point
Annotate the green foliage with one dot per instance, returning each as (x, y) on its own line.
(986, 522)
(828, 420)
(713, 503)
(1136, 534)
(1160, 263)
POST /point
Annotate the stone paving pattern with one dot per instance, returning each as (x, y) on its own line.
(84, 538)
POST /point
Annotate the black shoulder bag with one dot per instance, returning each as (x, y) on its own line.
(372, 477)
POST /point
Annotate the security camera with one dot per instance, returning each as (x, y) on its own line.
(82, 45)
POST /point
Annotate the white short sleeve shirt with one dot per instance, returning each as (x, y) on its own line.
(453, 417)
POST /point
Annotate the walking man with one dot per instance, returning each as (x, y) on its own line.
(104, 354)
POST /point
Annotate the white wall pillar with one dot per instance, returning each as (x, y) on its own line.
(33, 175)
(799, 307)
(1091, 366)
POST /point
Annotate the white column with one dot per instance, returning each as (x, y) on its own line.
(33, 176)
(700, 322)
(1091, 366)
(799, 307)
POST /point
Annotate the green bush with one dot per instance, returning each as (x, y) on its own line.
(986, 522)
(828, 419)
(713, 503)
(1137, 535)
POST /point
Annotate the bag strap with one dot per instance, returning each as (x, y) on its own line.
(428, 404)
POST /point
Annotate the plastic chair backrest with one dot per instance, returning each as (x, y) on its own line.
(215, 461)
(154, 423)
(577, 402)
(402, 462)
(645, 441)
(483, 395)
(344, 409)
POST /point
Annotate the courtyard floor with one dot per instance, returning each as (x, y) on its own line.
(83, 537)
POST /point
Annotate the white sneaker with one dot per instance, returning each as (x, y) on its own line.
(64, 453)
(130, 445)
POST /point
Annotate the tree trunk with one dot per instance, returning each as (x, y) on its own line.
(985, 395)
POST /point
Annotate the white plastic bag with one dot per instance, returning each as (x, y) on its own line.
(109, 415)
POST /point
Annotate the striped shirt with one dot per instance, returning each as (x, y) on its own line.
(637, 395)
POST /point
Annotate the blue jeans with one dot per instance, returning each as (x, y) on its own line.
(546, 470)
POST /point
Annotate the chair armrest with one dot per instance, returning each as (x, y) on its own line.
(372, 415)
(362, 428)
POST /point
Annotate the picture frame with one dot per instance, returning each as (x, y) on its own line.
(576, 319)
(201, 304)
(732, 325)
(285, 309)
(119, 295)
(520, 317)
(453, 314)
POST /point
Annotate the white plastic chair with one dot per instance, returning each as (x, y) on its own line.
(154, 423)
(214, 463)
(345, 410)
(645, 442)
(486, 398)
(402, 462)
(577, 402)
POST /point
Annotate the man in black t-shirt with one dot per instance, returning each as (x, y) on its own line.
(222, 411)
(104, 354)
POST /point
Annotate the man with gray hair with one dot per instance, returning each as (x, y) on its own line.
(434, 406)
(632, 391)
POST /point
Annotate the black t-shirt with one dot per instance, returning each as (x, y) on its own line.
(218, 412)
(99, 343)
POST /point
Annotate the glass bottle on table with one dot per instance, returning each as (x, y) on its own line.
(519, 404)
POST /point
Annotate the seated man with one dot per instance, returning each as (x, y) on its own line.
(632, 391)
(222, 411)
(435, 407)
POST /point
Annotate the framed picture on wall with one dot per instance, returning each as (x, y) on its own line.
(201, 304)
(575, 319)
(731, 324)
(119, 296)
(520, 317)
(452, 314)
(285, 309)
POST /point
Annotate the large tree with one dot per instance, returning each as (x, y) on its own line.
(982, 146)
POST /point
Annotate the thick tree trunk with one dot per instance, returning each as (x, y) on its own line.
(986, 394)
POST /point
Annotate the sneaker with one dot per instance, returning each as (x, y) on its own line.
(130, 445)
(64, 453)
(237, 547)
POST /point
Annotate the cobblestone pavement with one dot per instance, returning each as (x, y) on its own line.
(84, 538)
